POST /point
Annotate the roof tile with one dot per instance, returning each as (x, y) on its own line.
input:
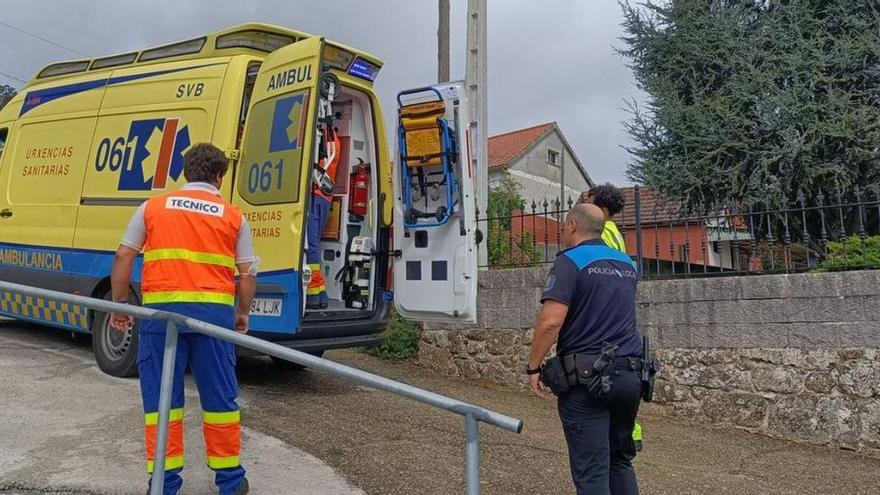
(503, 148)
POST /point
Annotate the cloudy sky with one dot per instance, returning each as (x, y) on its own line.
(548, 60)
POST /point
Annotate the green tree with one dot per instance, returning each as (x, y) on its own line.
(754, 99)
(7, 92)
(502, 248)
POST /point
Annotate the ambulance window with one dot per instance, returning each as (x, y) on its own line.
(252, 71)
(272, 154)
(3, 133)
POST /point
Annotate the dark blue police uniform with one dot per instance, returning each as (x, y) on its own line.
(598, 284)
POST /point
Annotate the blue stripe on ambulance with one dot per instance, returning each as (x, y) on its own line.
(38, 97)
(96, 265)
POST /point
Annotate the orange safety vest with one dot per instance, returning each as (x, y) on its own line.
(330, 168)
(189, 254)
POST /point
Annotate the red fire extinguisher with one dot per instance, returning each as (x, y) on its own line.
(359, 190)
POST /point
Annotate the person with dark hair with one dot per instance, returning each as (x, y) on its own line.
(610, 200)
(192, 240)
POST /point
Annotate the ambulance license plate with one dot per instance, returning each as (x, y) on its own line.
(266, 307)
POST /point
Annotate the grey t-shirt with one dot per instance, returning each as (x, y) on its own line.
(136, 232)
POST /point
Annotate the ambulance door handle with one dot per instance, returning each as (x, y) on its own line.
(6, 213)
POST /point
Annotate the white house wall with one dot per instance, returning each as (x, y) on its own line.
(540, 179)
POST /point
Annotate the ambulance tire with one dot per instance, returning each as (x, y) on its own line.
(116, 353)
(289, 366)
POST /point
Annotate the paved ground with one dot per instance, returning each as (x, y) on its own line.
(65, 427)
(381, 443)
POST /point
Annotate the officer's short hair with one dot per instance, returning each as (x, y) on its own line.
(589, 219)
(609, 197)
(203, 162)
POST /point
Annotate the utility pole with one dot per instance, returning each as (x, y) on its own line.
(443, 42)
(476, 82)
(562, 182)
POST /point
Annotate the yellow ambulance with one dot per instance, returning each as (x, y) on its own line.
(87, 141)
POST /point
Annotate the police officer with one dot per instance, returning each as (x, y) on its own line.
(610, 199)
(589, 313)
(192, 240)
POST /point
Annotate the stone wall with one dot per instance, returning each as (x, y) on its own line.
(794, 356)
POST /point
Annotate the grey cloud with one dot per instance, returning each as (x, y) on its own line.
(549, 60)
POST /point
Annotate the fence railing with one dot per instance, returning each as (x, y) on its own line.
(825, 231)
(472, 414)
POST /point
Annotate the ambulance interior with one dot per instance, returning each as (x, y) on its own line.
(350, 234)
(349, 237)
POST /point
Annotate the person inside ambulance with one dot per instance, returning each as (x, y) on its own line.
(192, 240)
(319, 210)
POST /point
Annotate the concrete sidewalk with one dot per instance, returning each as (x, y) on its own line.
(65, 427)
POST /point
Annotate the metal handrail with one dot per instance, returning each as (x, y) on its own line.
(472, 413)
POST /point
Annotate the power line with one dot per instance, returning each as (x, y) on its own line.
(32, 35)
(12, 77)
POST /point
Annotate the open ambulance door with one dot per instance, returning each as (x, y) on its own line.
(273, 179)
(435, 276)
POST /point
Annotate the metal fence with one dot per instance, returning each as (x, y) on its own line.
(836, 230)
(472, 414)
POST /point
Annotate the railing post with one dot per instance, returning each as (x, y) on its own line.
(472, 455)
(157, 483)
(638, 208)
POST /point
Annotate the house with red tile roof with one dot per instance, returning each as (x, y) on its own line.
(673, 238)
(535, 158)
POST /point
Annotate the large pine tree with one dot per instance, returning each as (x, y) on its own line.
(754, 100)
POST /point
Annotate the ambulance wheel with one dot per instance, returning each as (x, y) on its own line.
(115, 352)
(287, 365)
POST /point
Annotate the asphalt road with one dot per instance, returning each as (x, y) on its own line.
(388, 445)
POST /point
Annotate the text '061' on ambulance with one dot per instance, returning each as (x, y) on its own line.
(87, 141)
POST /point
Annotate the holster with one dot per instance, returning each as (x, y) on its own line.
(593, 371)
(650, 367)
(649, 372)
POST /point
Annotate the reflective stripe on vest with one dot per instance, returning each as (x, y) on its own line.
(186, 254)
(188, 297)
(189, 254)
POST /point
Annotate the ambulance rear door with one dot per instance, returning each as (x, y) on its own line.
(435, 274)
(273, 176)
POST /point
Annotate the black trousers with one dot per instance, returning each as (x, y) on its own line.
(599, 436)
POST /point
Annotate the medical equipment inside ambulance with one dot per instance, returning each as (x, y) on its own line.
(348, 238)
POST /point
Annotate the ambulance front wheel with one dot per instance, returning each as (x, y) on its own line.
(287, 365)
(115, 352)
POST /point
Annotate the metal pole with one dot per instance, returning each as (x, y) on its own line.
(472, 455)
(443, 42)
(157, 484)
(562, 202)
(476, 76)
(638, 208)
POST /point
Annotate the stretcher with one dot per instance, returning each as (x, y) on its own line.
(427, 160)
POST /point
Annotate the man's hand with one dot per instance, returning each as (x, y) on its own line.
(121, 323)
(241, 322)
(537, 387)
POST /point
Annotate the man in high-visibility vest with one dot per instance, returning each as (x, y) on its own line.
(319, 212)
(192, 240)
(610, 199)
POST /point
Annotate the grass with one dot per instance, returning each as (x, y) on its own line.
(400, 341)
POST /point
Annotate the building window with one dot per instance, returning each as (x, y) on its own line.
(553, 158)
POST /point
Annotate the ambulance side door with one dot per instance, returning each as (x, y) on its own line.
(435, 276)
(273, 177)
